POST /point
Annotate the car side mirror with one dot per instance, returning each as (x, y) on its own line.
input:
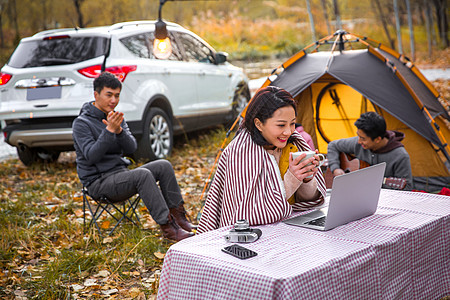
(221, 57)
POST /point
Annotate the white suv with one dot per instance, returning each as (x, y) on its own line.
(50, 75)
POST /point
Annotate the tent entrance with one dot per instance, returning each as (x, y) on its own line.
(337, 107)
(333, 109)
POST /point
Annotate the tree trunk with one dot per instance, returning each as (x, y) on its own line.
(411, 31)
(434, 29)
(398, 27)
(13, 20)
(44, 14)
(311, 20)
(442, 21)
(379, 10)
(337, 15)
(79, 13)
(325, 15)
(2, 40)
(428, 24)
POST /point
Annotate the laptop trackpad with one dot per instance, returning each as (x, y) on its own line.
(303, 219)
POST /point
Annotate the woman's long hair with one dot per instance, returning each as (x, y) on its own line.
(265, 102)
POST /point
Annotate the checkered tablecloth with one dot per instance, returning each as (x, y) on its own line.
(400, 252)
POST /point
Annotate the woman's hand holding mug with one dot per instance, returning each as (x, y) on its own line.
(304, 164)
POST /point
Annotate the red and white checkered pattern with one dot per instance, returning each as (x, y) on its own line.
(400, 252)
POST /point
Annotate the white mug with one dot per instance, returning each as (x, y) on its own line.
(309, 154)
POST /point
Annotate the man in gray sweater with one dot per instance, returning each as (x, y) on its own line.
(101, 138)
(373, 145)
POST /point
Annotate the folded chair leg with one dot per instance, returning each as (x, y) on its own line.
(84, 212)
(134, 206)
(95, 215)
(125, 211)
(104, 205)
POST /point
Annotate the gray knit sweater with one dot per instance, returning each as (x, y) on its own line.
(396, 158)
(99, 151)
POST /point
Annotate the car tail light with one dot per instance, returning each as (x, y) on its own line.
(91, 72)
(4, 78)
(57, 37)
(121, 72)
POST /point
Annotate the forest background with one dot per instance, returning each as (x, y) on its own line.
(249, 30)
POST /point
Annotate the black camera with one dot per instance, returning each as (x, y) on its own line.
(242, 233)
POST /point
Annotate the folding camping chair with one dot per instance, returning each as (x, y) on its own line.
(123, 209)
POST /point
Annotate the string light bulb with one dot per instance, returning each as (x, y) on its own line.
(162, 47)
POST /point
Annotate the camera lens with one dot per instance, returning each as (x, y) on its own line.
(241, 225)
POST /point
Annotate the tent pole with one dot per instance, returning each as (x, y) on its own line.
(302, 52)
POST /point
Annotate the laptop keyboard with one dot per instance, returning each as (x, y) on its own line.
(317, 222)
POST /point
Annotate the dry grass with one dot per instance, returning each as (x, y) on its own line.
(44, 253)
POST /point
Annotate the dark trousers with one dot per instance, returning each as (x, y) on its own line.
(143, 180)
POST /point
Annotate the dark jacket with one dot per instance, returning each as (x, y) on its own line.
(394, 154)
(99, 151)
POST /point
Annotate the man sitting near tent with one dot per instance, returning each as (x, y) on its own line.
(373, 144)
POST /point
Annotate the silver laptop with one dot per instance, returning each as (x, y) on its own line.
(353, 196)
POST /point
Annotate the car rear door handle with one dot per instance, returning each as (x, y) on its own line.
(166, 72)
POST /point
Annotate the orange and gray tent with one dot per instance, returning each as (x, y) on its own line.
(339, 77)
(356, 74)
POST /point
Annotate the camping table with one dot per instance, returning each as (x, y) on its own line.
(401, 252)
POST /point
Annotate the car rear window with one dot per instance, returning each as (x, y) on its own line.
(57, 51)
(141, 45)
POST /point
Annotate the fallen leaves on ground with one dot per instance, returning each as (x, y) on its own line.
(44, 252)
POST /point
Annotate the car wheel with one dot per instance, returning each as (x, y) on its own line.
(157, 138)
(48, 156)
(27, 155)
(240, 101)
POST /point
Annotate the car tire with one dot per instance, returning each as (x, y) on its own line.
(27, 156)
(48, 155)
(157, 138)
(240, 101)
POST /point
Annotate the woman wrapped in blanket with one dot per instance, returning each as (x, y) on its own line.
(256, 177)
